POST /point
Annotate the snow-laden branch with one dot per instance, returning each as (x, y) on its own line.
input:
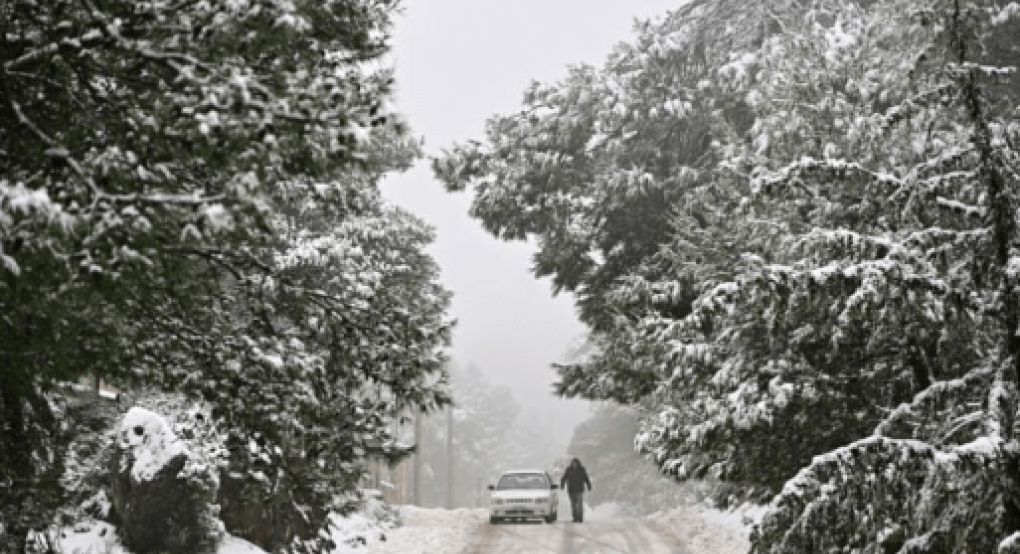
(888, 496)
(934, 393)
(794, 174)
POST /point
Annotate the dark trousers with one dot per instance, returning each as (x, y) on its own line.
(577, 505)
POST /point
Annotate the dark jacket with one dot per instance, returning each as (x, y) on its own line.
(575, 478)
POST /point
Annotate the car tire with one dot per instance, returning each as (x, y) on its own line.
(551, 518)
(493, 520)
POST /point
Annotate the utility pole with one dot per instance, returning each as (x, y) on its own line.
(449, 458)
(416, 477)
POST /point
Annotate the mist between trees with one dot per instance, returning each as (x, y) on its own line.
(491, 434)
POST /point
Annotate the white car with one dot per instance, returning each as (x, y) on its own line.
(523, 494)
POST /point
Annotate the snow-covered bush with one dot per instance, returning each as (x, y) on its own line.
(68, 423)
(87, 477)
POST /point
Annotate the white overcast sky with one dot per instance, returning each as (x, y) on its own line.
(458, 62)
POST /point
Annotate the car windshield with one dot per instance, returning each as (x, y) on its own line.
(522, 481)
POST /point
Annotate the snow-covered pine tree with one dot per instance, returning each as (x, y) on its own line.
(605, 444)
(884, 148)
(939, 473)
(595, 167)
(849, 267)
(149, 153)
(616, 172)
(753, 365)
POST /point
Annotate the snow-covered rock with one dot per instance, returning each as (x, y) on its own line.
(157, 505)
(148, 440)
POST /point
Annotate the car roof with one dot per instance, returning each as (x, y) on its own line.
(523, 471)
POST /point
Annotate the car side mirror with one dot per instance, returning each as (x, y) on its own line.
(492, 487)
(554, 487)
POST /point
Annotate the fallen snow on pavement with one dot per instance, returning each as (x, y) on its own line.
(710, 531)
(426, 531)
(606, 510)
(698, 528)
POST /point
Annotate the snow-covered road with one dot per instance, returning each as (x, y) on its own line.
(683, 530)
(617, 536)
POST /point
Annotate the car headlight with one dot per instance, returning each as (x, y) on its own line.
(497, 501)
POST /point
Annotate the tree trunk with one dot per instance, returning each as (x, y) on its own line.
(418, 451)
(449, 458)
(18, 467)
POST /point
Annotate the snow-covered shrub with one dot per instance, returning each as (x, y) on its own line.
(162, 501)
(30, 489)
(192, 423)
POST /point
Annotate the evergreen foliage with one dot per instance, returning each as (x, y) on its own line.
(188, 200)
(828, 316)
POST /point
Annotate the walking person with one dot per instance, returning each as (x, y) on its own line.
(574, 480)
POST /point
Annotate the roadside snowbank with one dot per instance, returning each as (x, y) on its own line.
(373, 523)
(101, 538)
(426, 531)
(352, 534)
(704, 529)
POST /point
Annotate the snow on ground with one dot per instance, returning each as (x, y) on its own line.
(699, 528)
(426, 531)
(606, 510)
(710, 531)
(101, 538)
(434, 531)
(372, 524)
(352, 534)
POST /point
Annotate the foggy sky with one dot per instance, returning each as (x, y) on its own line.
(459, 62)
